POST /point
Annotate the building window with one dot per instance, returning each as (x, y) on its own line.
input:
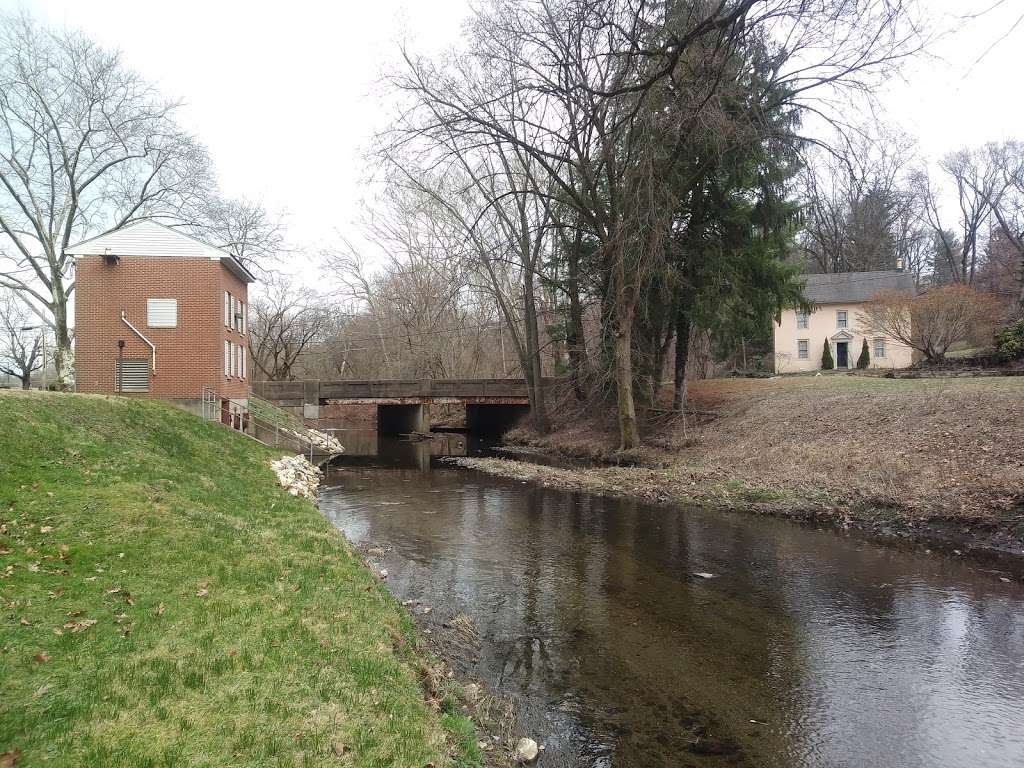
(227, 309)
(879, 348)
(802, 349)
(162, 313)
(841, 318)
(801, 319)
(227, 359)
(131, 375)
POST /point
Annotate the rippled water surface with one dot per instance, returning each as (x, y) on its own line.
(804, 648)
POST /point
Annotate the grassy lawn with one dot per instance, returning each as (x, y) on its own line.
(165, 604)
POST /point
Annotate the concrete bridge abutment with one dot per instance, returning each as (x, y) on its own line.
(403, 419)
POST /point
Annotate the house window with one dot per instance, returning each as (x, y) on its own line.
(879, 348)
(802, 349)
(227, 309)
(841, 318)
(162, 313)
(131, 375)
(227, 359)
(801, 319)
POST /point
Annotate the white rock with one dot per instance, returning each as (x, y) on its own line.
(383, 573)
(704, 575)
(526, 751)
(296, 474)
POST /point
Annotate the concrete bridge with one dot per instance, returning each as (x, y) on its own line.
(404, 405)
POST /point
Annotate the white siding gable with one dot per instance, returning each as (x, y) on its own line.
(146, 238)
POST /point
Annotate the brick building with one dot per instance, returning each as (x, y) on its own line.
(159, 313)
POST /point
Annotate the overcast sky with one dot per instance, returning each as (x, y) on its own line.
(283, 93)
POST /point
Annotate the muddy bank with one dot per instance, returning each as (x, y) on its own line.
(998, 543)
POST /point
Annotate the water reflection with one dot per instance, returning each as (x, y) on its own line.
(805, 648)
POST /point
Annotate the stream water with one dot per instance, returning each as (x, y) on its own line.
(631, 634)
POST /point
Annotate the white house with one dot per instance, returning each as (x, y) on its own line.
(838, 318)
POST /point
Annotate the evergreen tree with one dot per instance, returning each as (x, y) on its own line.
(865, 357)
(826, 358)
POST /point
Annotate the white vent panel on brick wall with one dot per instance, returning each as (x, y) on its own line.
(132, 375)
(162, 313)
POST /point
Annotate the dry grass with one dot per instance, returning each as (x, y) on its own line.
(916, 449)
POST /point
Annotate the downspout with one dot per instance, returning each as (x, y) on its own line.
(137, 332)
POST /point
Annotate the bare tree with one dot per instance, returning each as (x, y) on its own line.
(284, 324)
(20, 345)
(244, 228)
(85, 146)
(933, 321)
(602, 96)
(860, 211)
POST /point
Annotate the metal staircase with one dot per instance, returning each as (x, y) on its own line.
(265, 422)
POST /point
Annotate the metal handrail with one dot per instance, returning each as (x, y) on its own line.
(211, 409)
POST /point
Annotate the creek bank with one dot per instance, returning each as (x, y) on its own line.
(936, 463)
(997, 544)
(448, 647)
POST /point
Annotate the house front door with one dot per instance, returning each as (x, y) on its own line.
(842, 354)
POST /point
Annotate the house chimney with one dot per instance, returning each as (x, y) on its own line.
(899, 265)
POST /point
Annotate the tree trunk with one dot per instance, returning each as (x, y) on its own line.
(683, 330)
(62, 354)
(629, 433)
(574, 336)
(26, 381)
(533, 371)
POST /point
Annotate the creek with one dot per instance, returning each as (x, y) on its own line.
(632, 634)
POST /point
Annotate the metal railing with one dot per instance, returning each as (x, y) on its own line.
(264, 422)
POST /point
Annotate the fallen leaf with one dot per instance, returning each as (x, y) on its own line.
(25, 622)
(45, 528)
(40, 658)
(203, 593)
(42, 691)
(113, 591)
(79, 626)
(338, 748)
(160, 610)
(10, 759)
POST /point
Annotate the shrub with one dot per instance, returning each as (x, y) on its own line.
(827, 363)
(1010, 341)
(865, 357)
(933, 321)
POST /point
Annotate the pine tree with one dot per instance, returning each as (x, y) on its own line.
(865, 357)
(826, 358)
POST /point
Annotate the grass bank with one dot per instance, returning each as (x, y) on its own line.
(164, 603)
(920, 458)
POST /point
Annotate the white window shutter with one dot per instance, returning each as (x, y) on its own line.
(162, 313)
(227, 358)
(242, 348)
(227, 309)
